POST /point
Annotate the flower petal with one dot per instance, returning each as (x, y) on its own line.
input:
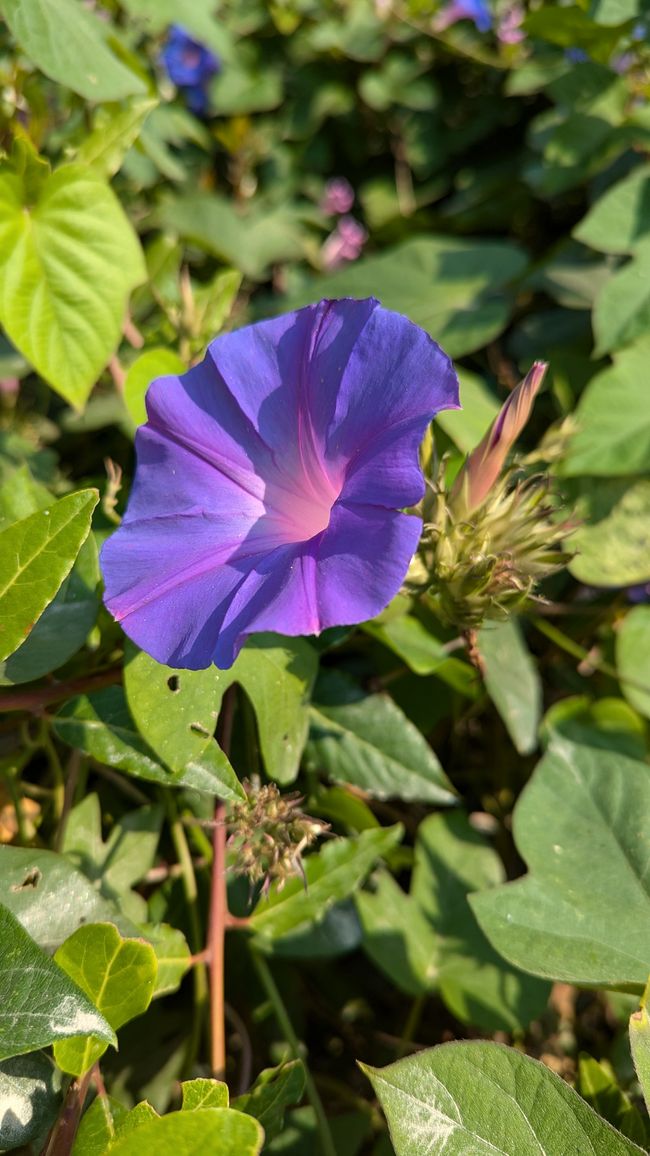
(169, 584)
(343, 576)
(396, 379)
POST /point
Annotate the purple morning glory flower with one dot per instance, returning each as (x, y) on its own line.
(269, 483)
(190, 66)
(475, 10)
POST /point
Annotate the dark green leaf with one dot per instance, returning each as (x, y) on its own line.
(366, 740)
(581, 914)
(39, 1003)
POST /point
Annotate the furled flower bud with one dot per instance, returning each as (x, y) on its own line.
(485, 463)
(268, 834)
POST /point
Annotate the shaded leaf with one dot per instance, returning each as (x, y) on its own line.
(274, 1090)
(512, 681)
(366, 740)
(30, 1098)
(330, 875)
(612, 543)
(633, 658)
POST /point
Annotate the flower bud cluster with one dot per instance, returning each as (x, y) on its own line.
(486, 564)
(492, 537)
(268, 834)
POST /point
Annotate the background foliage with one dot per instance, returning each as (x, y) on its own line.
(488, 883)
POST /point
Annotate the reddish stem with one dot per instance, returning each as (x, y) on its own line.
(216, 937)
(34, 700)
(219, 913)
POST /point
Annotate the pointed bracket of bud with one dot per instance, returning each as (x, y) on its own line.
(485, 463)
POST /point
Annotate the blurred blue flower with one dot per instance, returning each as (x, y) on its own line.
(475, 10)
(190, 66)
(576, 55)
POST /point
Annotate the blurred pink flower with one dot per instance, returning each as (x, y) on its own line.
(338, 197)
(344, 243)
(509, 30)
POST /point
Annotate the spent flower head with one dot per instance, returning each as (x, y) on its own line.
(270, 482)
(268, 834)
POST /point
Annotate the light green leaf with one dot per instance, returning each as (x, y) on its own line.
(597, 1085)
(172, 955)
(69, 258)
(512, 681)
(278, 675)
(640, 1045)
(149, 365)
(30, 1098)
(115, 128)
(366, 740)
(114, 866)
(633, 658)
(202, 1093)
(612, 419)
(274, 1090)
(452, 288)
(36, 555)
(612, 543)
(100, 724)
(622, 310)
(69, 44)
(117, 974)
(582, 914)
(213, 302)
(608, 723)
(621, 217)
(39, 1003)
(330, 875)
(98, 1127)
(63, 626)
(477, 1098)
(218, 1130)
(175, 710)
(50, 897)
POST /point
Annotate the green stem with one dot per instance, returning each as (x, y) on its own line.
(282, 1016)
(200, 974)
(570, 646)
(58, 789)
(411, 1025)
